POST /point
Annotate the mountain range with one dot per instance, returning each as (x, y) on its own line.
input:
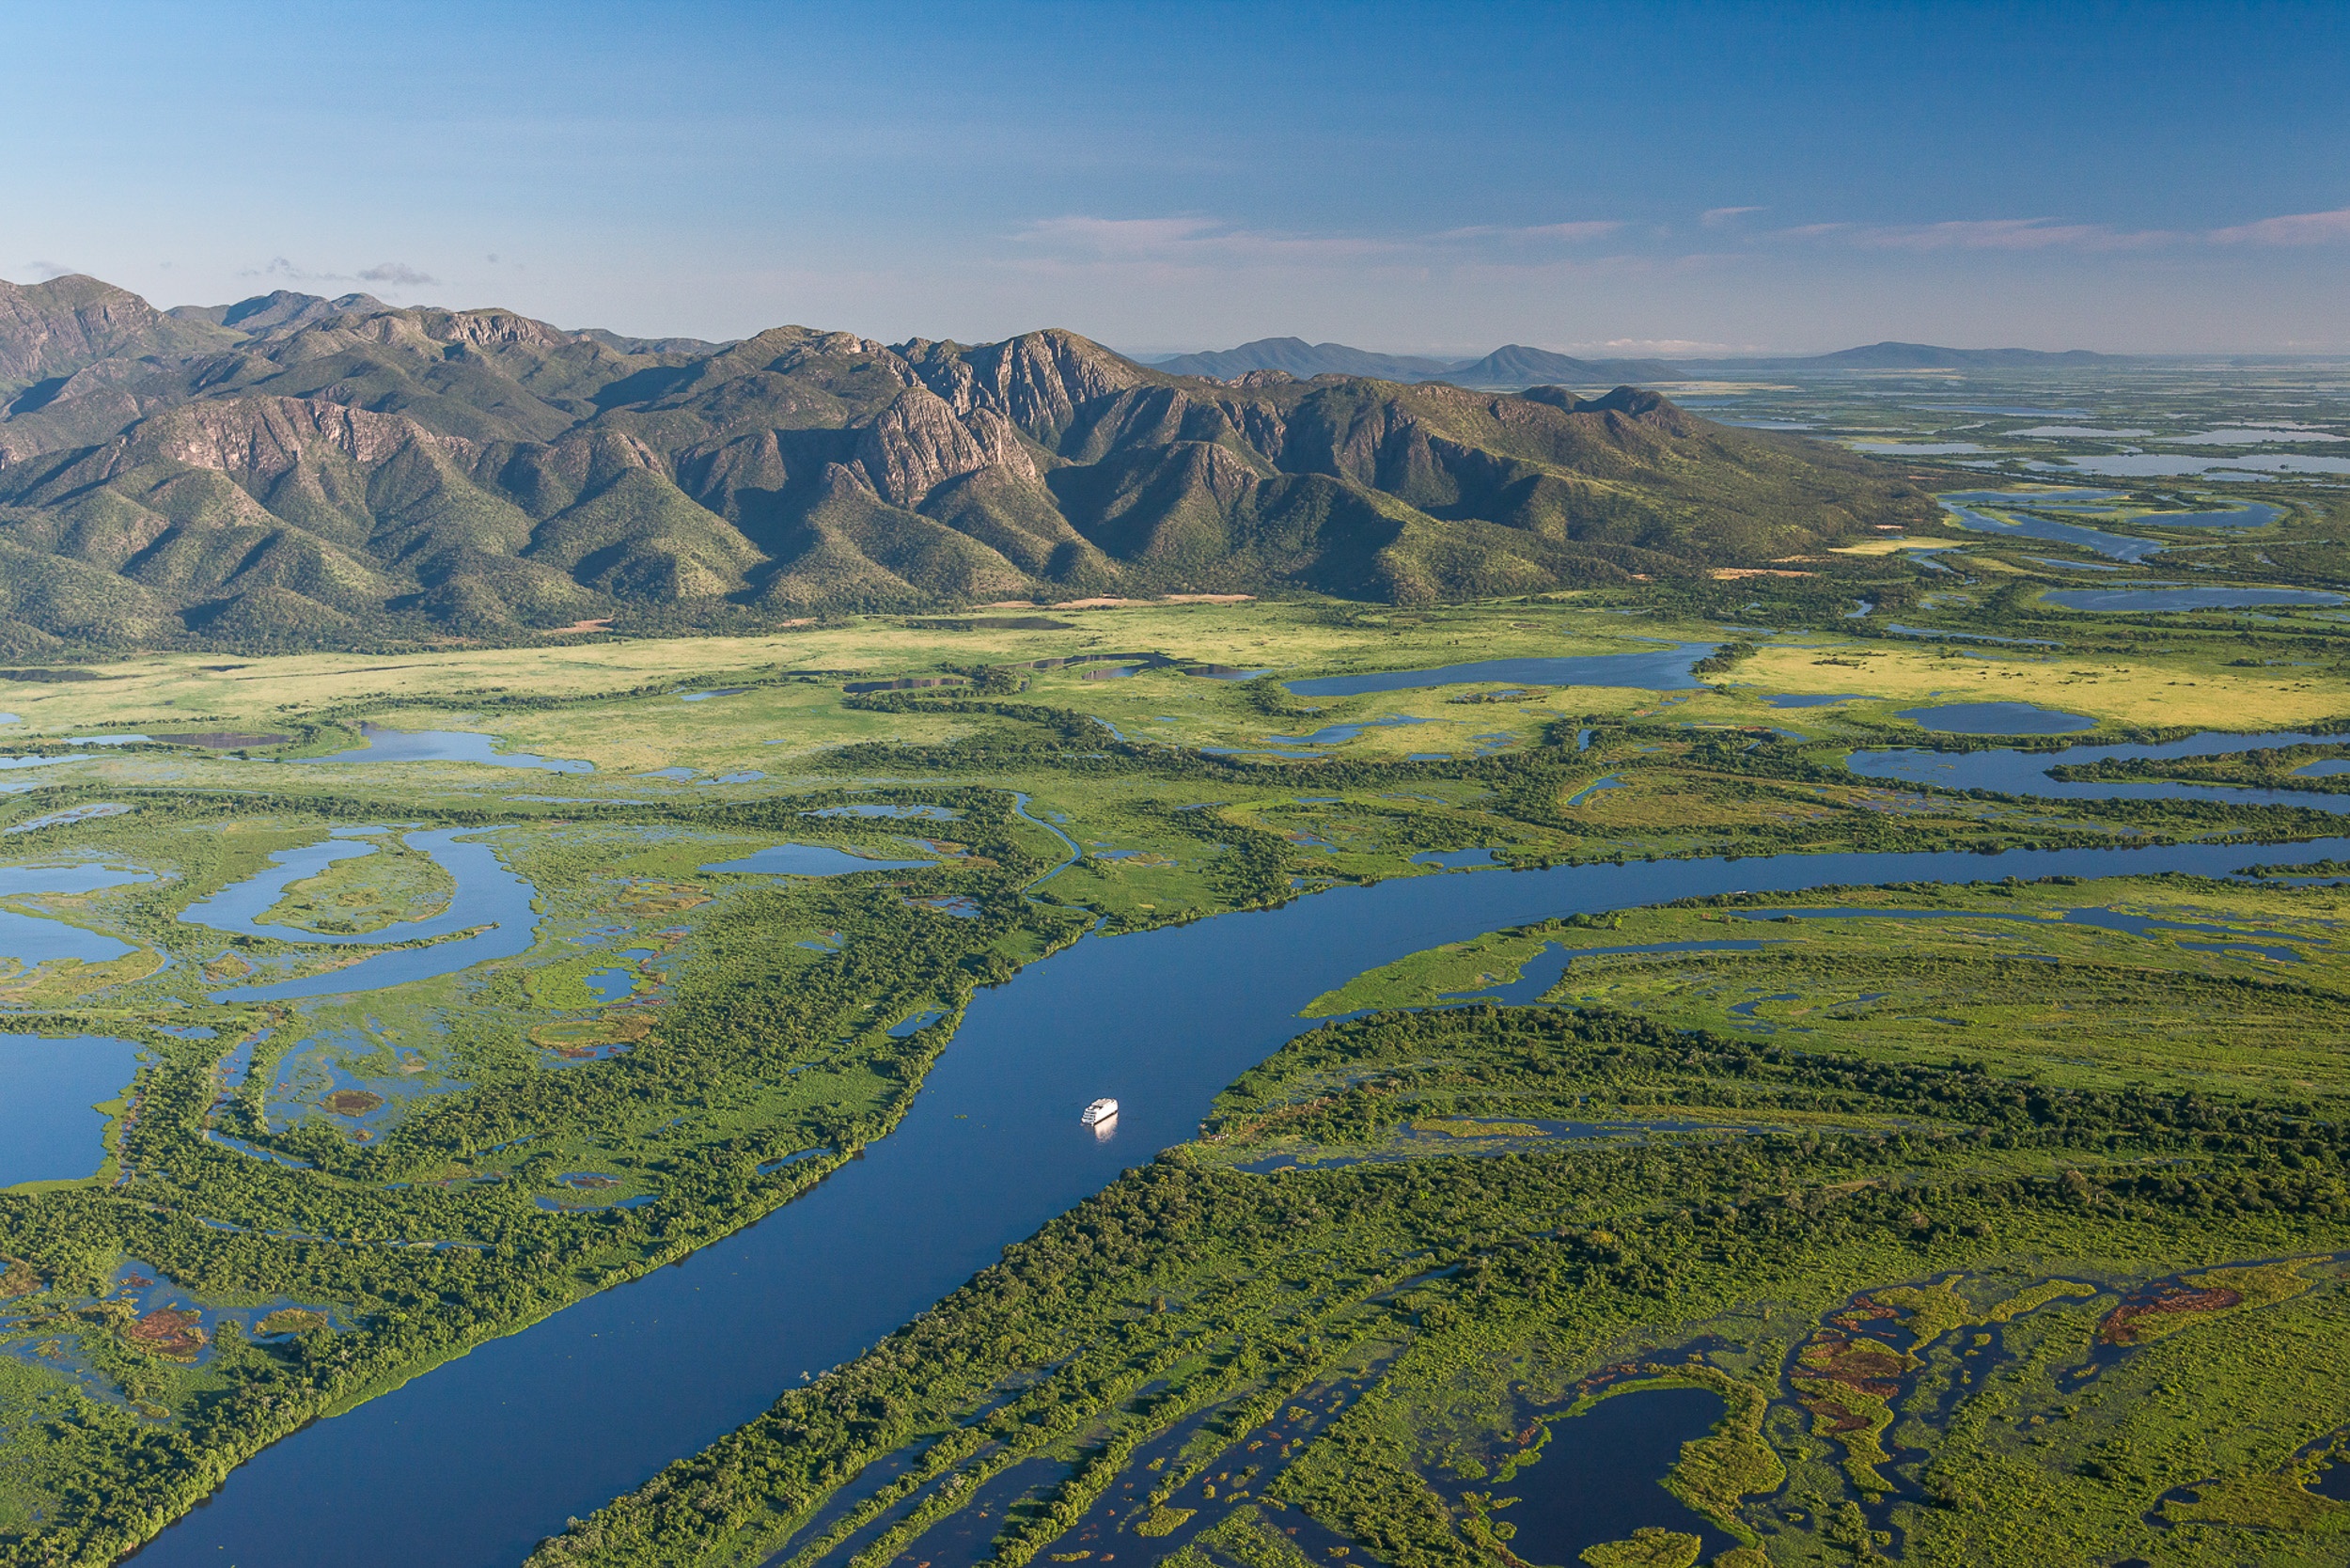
(1518, 366)
(294, 471)
(1514, 367)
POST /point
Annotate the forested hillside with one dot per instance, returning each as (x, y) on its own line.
(297, 471)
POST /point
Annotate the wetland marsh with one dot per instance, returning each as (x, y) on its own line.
(1665, 1072)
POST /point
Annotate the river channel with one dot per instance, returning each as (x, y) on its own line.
(473, 1463)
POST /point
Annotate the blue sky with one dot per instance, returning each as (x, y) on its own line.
(1590, 178)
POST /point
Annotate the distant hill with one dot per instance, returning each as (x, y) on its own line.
(1304, 360)
(1512, 367)
(344, 473)
(280, 310)
(50, 330)
(1922, 357)
(1519, 366)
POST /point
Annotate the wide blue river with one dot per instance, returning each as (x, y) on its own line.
(470, 1465)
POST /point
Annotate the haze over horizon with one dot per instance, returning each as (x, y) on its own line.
(1673, 183)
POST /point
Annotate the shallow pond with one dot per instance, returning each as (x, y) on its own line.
(474, 1462)
(1455, 860)
(1651, 669)
(2025, 773)
(487, 894)
(2183, 598)
(1997, 718)
(2138, 465)
(2027, 526)
(48, 1085)
(811, 860)
(1332, 734)
(443, 746)
(31, 939)
(1598, 1477)
(237, 907)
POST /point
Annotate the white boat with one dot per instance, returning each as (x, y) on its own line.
(1099, 1112)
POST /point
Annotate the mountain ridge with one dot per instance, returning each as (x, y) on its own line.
(347, 470)
(1517, 365)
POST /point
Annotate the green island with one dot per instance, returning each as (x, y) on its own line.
(1906, 1125)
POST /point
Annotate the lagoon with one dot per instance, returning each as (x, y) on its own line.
(1652, 669)
(811, 860)
(2025, 773)
(1997, 718)
(33, 939)
(443, 745)
(49, 1085)
(488, 895)
(2159, 599)
(1598, 1477)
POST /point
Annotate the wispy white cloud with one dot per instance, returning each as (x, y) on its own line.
(1641, 348)
(2008, 234)
(2052, 234)
(394, 275)
(398, 274)
(1568, 234)
(1189, 240)
(2294, 228)
(1205, 240)
(1716, 217)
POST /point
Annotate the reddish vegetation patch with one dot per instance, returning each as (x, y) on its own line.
(1833, 1416)
(351, 1102)
(171, 1332)
(17, 1278)
(1863, 1366)
(661, 898)
(1863, 1310)
(2131, 1319)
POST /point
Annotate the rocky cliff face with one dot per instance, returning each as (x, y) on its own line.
(918, 444)
(55, 328)
(298, 470)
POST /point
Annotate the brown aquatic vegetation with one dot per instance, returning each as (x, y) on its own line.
(2133, 1320)
(1864, 1366)
(351, 1102)
(659, 898)
(174, 1333)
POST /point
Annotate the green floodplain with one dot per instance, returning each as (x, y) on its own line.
(1996, 1223)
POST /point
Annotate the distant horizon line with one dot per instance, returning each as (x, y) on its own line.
(1151, 354)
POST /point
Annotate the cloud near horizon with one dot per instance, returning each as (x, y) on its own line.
(394, 275)
(1205, 240)
(2295, 229)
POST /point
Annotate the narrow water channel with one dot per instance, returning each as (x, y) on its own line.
(470, 1465)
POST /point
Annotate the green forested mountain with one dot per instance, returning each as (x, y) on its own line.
(297, 471)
